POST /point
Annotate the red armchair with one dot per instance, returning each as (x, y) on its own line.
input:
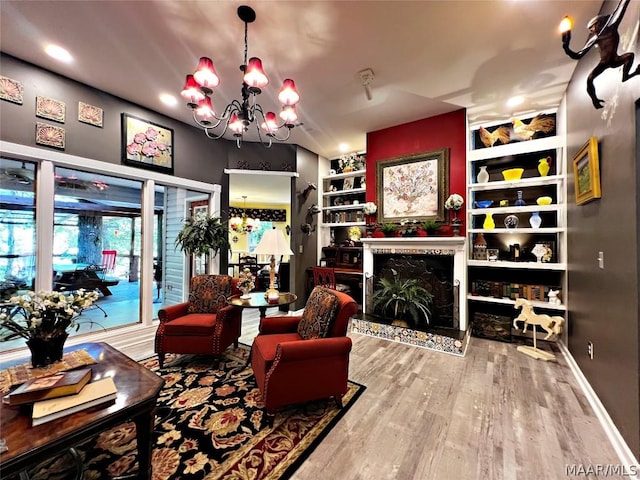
(205, 324)
(296, 359)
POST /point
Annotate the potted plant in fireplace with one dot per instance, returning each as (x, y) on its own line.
(403, 300)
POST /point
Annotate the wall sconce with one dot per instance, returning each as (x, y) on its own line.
(310, 187)
(307, 228)
(314, 210)
(604, 34)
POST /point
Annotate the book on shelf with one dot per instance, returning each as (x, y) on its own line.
(94, 393)
(51, 386)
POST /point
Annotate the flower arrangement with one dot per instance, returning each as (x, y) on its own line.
(369, 208)
(355, 233)
(44, 314)
(246, 281)
(350, 162)
(454, 202)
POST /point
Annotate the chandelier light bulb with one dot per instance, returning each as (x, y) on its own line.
(255, 76)
(206, 74)
(289, 114)
(288, 94)
(236, 125)
(205, 110)
(191, 91)
(270, 125)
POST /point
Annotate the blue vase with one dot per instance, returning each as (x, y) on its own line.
(535, 220)
(519, 201)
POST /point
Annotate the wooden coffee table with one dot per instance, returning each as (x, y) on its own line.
(138, 390)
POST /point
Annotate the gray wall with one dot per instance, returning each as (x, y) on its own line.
(603, 304)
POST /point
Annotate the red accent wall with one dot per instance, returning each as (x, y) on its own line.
(443, 131)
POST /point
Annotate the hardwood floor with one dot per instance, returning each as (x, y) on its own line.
(493, 414)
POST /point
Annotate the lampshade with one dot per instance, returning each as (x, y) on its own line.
(274, 243)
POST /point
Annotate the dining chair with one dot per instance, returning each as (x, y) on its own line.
(326, 277)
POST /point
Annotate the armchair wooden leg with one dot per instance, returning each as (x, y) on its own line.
(161, 360)
(271, 417)
(338, 399)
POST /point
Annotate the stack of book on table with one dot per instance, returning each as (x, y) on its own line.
(61, 394)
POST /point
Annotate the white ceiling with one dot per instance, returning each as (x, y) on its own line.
(429, 57)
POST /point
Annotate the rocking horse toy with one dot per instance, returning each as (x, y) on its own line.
(552, 325)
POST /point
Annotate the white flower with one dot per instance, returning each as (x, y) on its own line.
(454, 202)
(369, 208)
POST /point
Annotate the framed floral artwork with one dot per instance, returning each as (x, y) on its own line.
(50, 135)
(11, 90)
(413, 187)
(586, 172)
(146, 144)
(50, 109)
(90, 114)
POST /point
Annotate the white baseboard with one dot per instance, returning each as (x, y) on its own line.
(626, 456)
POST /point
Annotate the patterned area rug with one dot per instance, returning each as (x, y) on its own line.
(210, 425)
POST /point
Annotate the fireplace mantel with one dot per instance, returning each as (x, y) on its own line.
(454, 246)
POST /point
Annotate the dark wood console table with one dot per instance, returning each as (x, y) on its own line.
(138, 390)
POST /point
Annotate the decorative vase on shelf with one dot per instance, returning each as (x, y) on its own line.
(535, 220)
(539, 250)
(511, 221)
(45, 351)
(543, 166)
(483, 175)
(488, 222)
(519, 201)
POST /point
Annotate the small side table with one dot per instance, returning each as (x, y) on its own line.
(258, 301)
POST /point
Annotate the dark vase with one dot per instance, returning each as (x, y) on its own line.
(46, 351)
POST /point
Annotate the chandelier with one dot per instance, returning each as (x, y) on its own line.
(239, 115)
(243, 224)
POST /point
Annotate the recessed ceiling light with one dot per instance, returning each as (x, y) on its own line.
(58, 53)
(169, 100)
(343, 147)
(515, 101)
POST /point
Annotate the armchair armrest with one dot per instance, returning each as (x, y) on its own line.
(283, 324)
(310, 349)
(172, 312)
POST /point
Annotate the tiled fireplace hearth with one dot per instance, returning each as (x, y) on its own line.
(439, 260)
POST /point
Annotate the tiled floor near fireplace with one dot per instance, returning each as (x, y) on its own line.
(439, 339)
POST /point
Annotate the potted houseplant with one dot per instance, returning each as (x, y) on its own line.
(402, 299)
(389, 229)
(430, 226)
(203, 235)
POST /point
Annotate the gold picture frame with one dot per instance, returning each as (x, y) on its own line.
(413, 187)
(586, 172)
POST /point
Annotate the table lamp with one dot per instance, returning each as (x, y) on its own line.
(273, 243)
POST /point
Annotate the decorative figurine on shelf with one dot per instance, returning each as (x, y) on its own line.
(246, 284)
(455, 202)
(552, 325)
(604, 34)
(553, 297)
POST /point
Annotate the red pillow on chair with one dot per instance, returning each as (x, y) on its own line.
(318, 315)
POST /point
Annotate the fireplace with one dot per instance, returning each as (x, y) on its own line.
(438, 264)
